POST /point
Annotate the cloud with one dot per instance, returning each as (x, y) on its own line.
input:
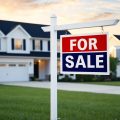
(10, 5)
(68, 11)
(99, 16)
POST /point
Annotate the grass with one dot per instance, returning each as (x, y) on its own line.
(20, 103)
(112, 83)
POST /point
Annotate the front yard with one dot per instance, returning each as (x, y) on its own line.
(20, 103)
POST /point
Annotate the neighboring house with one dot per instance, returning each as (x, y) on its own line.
(115, 51)
(24, 51)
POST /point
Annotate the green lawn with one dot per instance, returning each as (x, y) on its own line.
(113, 83)
(20, 103)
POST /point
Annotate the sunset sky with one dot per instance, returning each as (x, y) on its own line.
(67, 11)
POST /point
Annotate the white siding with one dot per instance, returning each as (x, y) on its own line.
(3, 42)
(45, 45)
(31, 46)
(3, 45)
(118, 70)
(118, 52)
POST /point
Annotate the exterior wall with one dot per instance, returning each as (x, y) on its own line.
(18, 33)
(58, 45)
(118, 52)
(31, 47)
(118, 71)
(45, 45)
(113, 43)
(3, 44)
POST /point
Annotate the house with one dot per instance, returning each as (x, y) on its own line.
(24, 51)
(115, 51)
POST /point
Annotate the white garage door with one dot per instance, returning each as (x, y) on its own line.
(13, 72)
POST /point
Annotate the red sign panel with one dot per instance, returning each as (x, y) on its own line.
(84, 43)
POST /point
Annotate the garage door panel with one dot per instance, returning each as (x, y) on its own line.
(3, 74)
(14, 72)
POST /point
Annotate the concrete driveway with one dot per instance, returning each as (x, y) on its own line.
(71, 87)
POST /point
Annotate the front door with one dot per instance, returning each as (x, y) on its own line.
(36, 69)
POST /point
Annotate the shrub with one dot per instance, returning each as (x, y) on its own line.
(66, 79)
(32, 78)
(85, 78)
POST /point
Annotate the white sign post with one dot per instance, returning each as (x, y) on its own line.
(53, 58)
(53, 67)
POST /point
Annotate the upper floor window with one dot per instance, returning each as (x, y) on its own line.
(18, 44)
(37, 45)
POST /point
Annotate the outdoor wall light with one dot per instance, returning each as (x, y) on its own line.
(30, 63)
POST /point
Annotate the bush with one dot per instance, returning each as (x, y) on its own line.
(32, 78)
(65, 79)
(85, 78)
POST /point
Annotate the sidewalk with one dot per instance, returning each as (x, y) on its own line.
(71, 87)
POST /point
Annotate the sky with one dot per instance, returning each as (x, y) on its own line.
(67, 12)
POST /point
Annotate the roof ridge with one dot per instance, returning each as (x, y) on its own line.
(22, 22)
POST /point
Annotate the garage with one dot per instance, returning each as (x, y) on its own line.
(13, 72)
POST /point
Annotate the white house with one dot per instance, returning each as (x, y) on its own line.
(24, 51)
(115, 50)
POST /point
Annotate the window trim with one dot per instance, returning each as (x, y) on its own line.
(24, 44)
(48, 45)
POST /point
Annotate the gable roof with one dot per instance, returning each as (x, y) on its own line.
(20, 27)
(33, 29)
(117, 36)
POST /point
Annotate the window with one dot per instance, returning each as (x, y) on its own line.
(2, 65)
(37, 45)
(12, 65)
(18, 44)
(21, 65)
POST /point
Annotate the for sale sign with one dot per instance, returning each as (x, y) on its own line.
(84, 54)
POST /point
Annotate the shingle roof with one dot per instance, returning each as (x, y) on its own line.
(117, 36)
(33, 29)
